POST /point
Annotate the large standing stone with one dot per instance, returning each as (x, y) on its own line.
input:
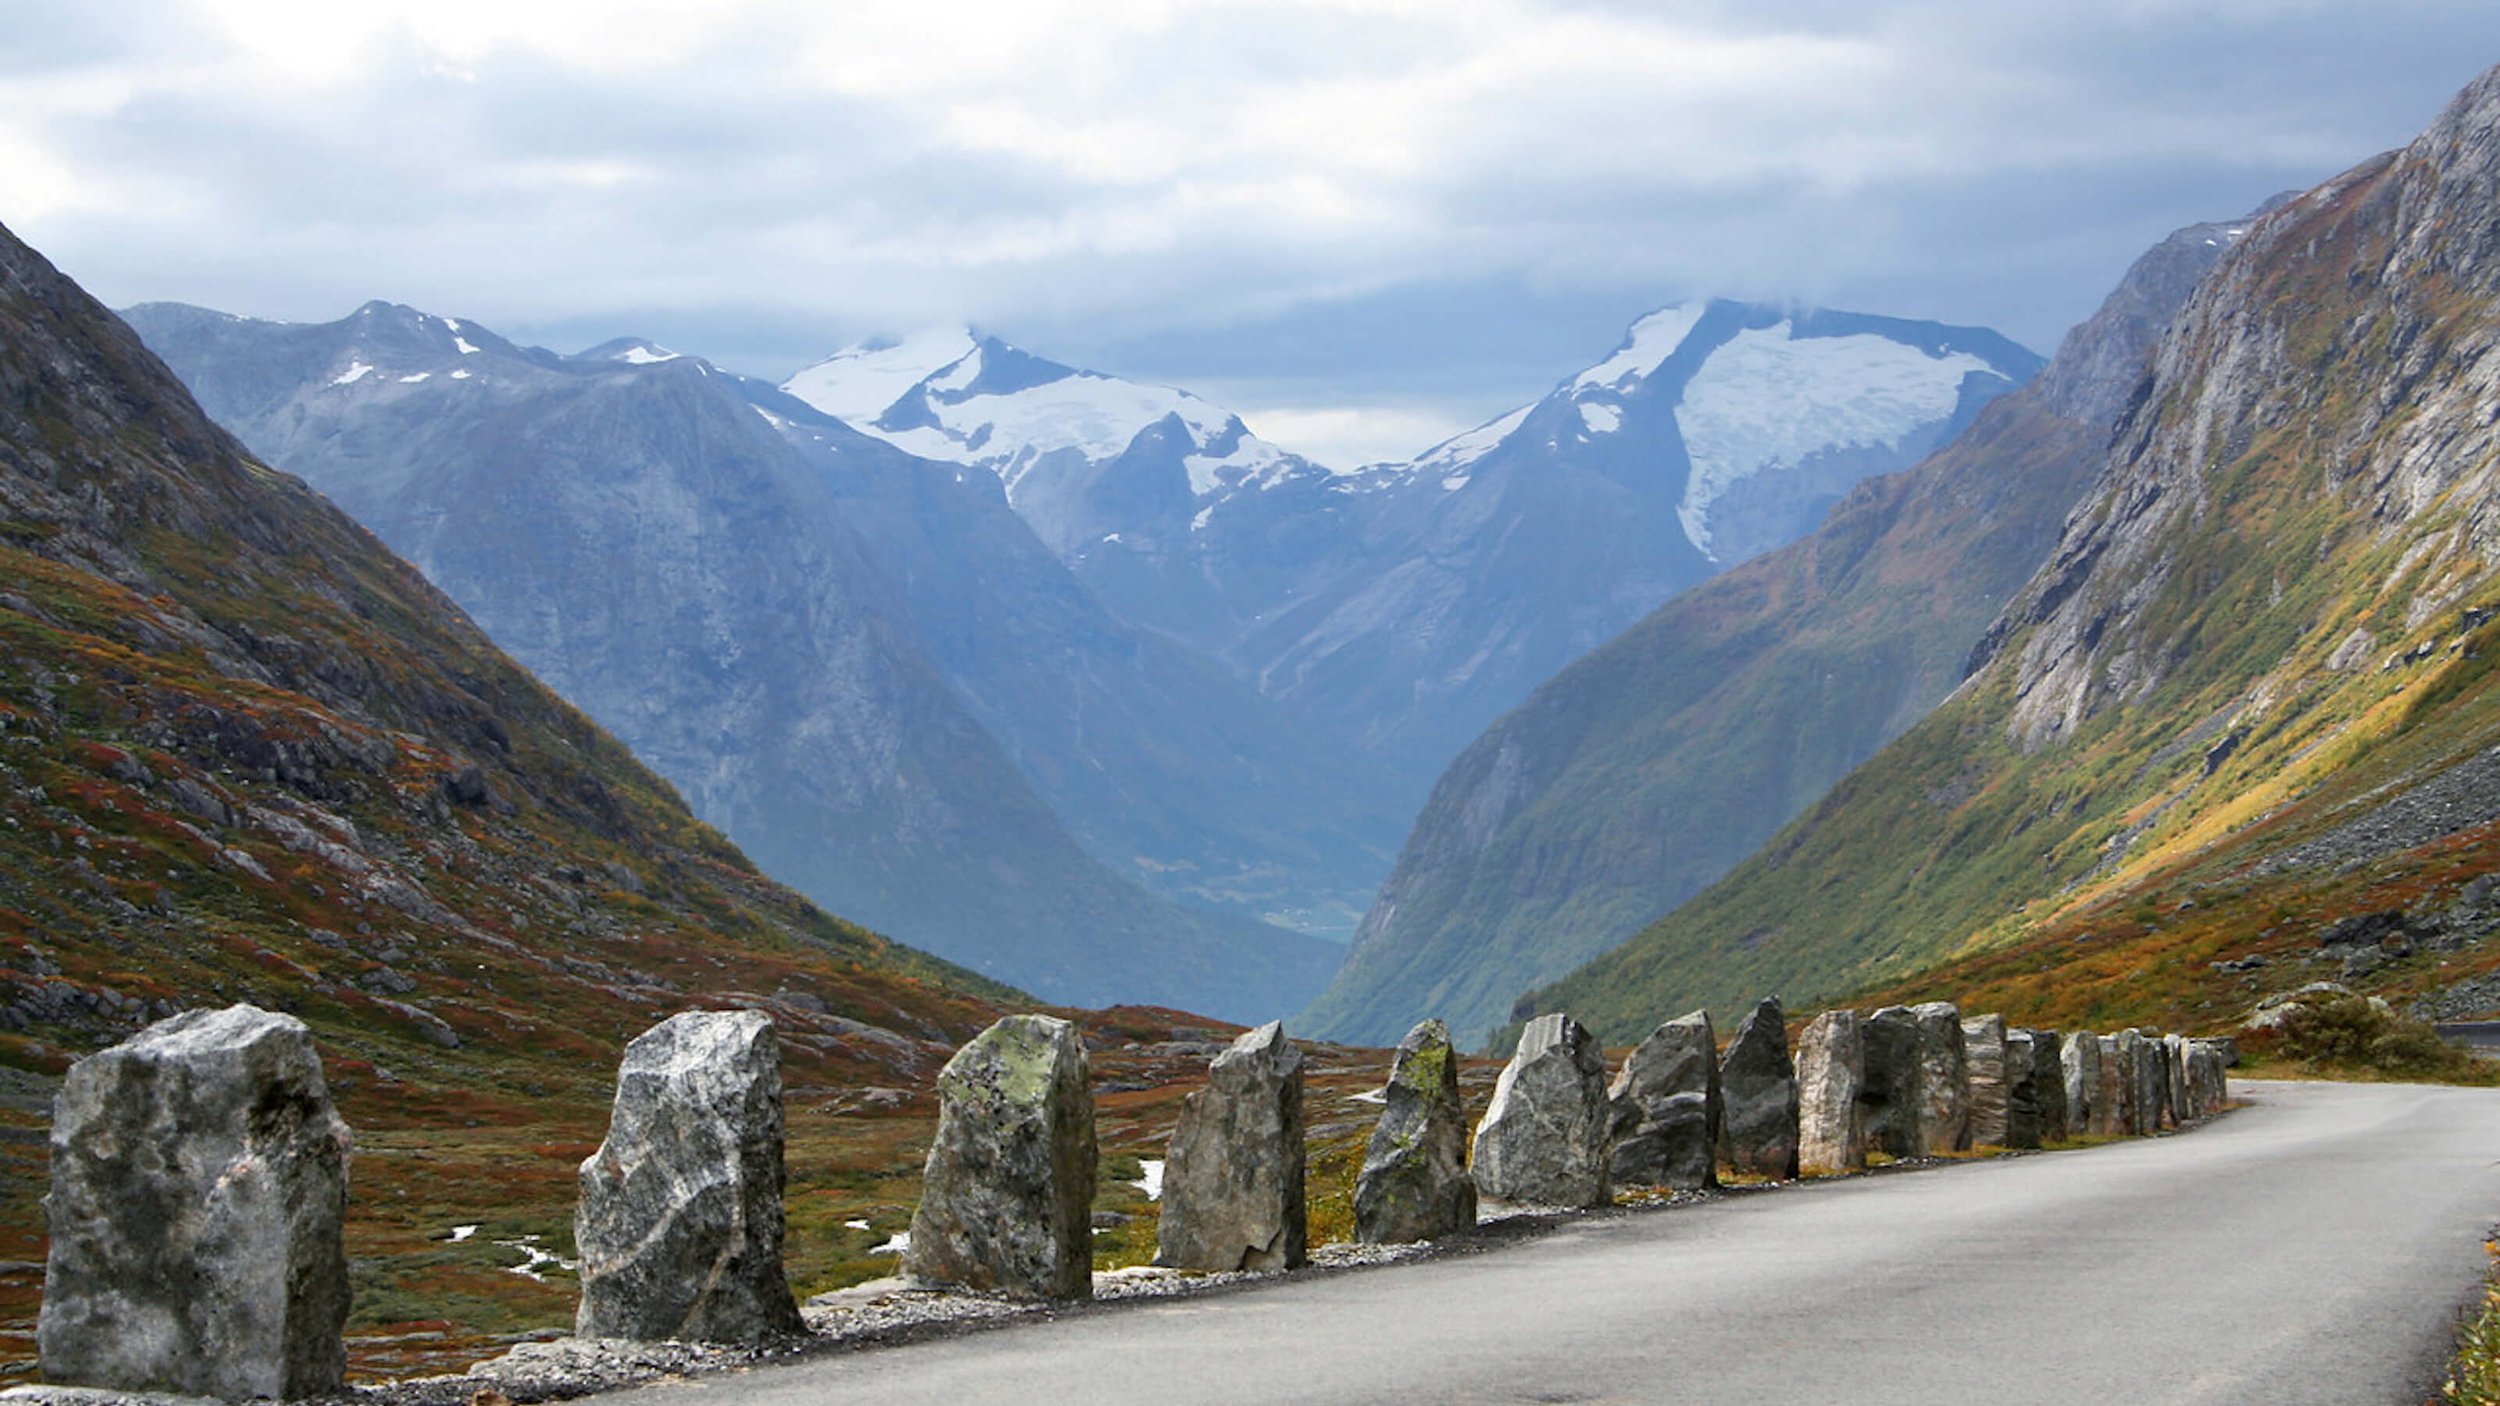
(199, 1178)
(2022, 1091)
(1543, 1139)
(1667, 1108)
(2174, 1064)
(1007, 1200)
(1944, 1080)
(1758, 1135)
(2209, 1089)
(2080, 1060)
(1983, 1066)
(1232, 1182)
(2151, 1084)
(2118, 1084)
(2049, 1086)
(680, 1224)
(1831, 1071)
(1889, 1097)
(1414, 1184)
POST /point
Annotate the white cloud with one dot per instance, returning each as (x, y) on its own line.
(1123, 166)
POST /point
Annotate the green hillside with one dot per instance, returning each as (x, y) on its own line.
(2266, 622)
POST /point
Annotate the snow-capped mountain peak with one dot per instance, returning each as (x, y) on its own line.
(955, 395)
(633, 351)
(1650, 342)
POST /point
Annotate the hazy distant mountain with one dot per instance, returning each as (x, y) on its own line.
(1407, 605)
(1647, 769)
(687, 566)
(252, 756)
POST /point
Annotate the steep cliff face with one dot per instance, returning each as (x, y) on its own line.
(788, 620)
(2266, 623)
(247, 754)
(1649, 768)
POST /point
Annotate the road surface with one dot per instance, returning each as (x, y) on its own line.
(2312, 1247)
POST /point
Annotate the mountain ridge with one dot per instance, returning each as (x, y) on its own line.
(1661, 759)
(2266, 616)
(650, 539)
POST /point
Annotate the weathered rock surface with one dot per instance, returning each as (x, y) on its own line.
(1543, 1139)
(2048, 1086)
(1831, 1073)
(1889, 1097)
(2118, 1085)
(1757, 1080)
(2209, 1089)
(1414, 1183)
(1944, 1079)
(680, 1224)
(1232, 1182)
(2022, 1093)
(1983, 1065)
(199, 1178)
(2152, 1082)
(1006, 1202)
(2080, 1060)
(1667, 1108)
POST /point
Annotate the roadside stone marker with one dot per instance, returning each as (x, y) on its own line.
(1414, 1183)
(1667, 1108)
(1759, 1083)
(199, 1180)
(1983, 1065)
(1543, 1139)
(1831, 1073)
(1889, 1096)
(1233, 1180)
(1007, 1200)
(680, 1224)
(1944, 1079)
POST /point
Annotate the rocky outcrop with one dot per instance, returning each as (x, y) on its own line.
(199, 1181)
(1414, 1183)
(1543, 1139)
(1757, 1080)
(1006, 1200)
(1944, 1086)
(1889, 1095)
(1667, 1108)
(680, 1222)
(1232, 1182)
(1831, 1075)
(1984, 1072)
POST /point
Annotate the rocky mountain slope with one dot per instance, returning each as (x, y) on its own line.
(687, 570)
(246, 754)
(1406, 605)
(1656, 763)
(2248, 697)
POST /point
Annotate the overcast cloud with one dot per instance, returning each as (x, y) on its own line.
(1363, 223)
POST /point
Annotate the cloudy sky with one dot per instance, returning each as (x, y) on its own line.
(1362, 223)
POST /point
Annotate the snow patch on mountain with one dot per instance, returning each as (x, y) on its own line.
(956, 397)
(860, 383)
(1768, 399)
(356, 371)
(1647, 346)
(1452, 457)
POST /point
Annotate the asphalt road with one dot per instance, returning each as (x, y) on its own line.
(2312, 1247)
